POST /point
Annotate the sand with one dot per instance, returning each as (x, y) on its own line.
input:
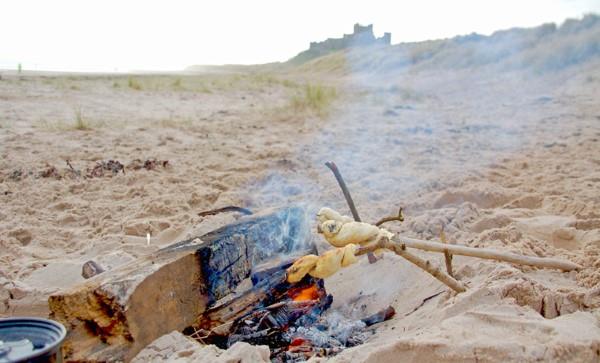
(506, 160)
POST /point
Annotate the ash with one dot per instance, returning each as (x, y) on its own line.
(333, 330)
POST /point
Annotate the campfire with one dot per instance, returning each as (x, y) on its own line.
(289, 317)
(259, 280)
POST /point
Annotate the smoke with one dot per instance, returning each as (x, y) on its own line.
(420, 117)
(416, 116)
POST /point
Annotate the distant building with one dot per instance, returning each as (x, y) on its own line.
(362, 36)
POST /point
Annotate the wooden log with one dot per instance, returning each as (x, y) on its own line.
(243, 303)
(487, 253)
(229, 253)
(271, 289)
(113, 315)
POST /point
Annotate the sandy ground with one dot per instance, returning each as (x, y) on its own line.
(503, 160)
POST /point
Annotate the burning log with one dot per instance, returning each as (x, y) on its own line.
(265, 299)
(113, 315)
(285, 315)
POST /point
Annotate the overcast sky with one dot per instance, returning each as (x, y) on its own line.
(108, 35)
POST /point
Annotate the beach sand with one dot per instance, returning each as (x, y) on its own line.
(501, 160)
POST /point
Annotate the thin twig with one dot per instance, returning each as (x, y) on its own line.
(447, 254)
(73, 170)
(423, 302)
(331, 165)
(196, 333)
(399, 217)
(229, 208)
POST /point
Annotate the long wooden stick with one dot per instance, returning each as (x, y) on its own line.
(487, 253)
(400, 250)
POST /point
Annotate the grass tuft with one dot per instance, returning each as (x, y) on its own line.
(315, 98)
(80, 122)
(133, 83)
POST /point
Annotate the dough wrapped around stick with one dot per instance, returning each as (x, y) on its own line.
(322, 266)
(340, 231)
(339, 234)
(328, 214)
(301, 267)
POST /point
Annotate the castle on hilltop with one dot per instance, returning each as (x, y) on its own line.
(362, 36)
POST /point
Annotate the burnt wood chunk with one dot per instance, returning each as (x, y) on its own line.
(90, 269)
(113, 315)
(229, 253)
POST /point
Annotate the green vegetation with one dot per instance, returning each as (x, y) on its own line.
(80, 122)
(133, 83)
(206, 83)
(314, 98)
(177, 84)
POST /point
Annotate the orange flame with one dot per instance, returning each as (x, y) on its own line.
(309, 293)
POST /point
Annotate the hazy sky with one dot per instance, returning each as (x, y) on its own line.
(168, 35)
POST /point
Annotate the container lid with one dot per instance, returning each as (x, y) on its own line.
(23, 339)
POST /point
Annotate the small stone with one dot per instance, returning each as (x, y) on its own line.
(90, 269)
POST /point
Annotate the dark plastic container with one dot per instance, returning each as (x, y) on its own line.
(34, 340)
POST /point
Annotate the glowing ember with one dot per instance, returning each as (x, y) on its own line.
(309, 293)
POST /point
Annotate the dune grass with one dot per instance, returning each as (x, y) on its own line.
(79, 123)
(314, 98)
(204, 83)
(133, 83)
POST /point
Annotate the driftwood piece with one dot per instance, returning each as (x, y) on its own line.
(113, 315)
(229, 253)
(487, 253)
(424, 264)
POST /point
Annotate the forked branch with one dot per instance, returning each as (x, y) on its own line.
(426, 265)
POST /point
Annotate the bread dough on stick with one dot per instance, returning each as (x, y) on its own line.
(301, 267)
(322, 266)
(340, 234)
(328, 214)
